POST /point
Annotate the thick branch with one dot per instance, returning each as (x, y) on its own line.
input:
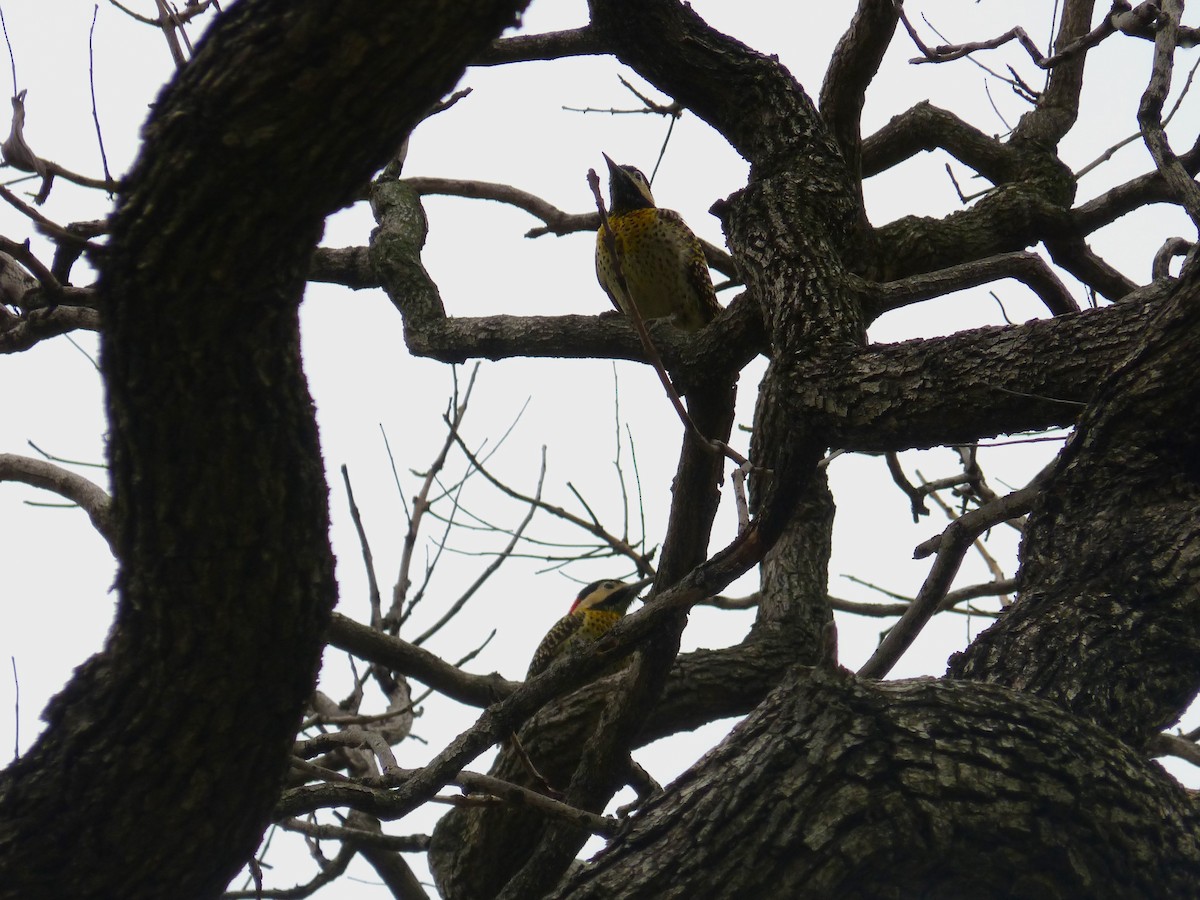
(853, 67)
(843, 774)
(927, 127)
(970, 385)
(1107, 621)
(218, 487)
(349, 266)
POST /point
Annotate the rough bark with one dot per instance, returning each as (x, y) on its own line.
(1027, 786)
(1108, 623)
(835, 787)
(840, 788)
(165, 753)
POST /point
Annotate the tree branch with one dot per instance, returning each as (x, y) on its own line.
(1027, 268)
(90, 497)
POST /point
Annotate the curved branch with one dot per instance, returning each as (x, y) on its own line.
(927, 127)
(970, 385)
(1027, 268)
(853, 67)
(89, 496)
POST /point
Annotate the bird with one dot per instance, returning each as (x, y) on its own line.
(661, 259)
(598, 608)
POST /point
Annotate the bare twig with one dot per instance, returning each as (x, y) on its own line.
(12, 59)
(948, 604)
(167, 22)
(493, 566)
(1182, 185)
(1107, 26)
(1111, 151)
(951, 546)
(556, 221)
(421, 505)
(92, 87)
(368, 559)
(617, 545)
(915, 497)
(330, 871)
(53, 229)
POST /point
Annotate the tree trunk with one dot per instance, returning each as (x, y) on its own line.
(166, 752)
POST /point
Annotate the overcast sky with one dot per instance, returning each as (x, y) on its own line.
(513, 128)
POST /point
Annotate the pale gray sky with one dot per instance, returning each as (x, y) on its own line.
(513, 129)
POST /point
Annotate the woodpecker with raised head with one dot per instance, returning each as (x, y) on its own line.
(598, 608)
(661, 259)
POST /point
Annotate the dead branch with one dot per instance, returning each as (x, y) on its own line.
(950, 546)
(1183, 188)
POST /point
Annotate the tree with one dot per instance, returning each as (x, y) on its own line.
(1025, 771)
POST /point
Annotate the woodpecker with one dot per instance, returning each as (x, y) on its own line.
(598, 608)
(661, 259)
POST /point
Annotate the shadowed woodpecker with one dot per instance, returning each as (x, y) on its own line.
(598, 608)
(661, 259)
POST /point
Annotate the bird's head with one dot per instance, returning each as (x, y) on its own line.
(628, 188)
(609, 594)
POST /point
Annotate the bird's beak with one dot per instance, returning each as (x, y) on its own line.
(612, 166)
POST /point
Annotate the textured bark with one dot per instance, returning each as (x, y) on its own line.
(794, 598)
(165, 753)
(1108, 622)
(1029, 786)
(837, 788)
(475, 851)
(970, 385)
